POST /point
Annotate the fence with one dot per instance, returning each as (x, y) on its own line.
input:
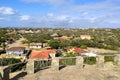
(55, 63)
(89, 60)
(3, 62)
(17, 67)
(67, 61)
(6, 70)
(8, 61)
(78, 61)
(42, 64)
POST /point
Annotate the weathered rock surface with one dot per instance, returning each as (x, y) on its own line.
(109, 72)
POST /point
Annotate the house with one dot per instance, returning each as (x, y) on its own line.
(85, 37)
(82, 52)
(90, 54)
(77, 50)
(29, 31)
(43, 54)
(37, 31)
(54, 35)
(36, 45)
(63, 38)
(16, 50)
(22, 31)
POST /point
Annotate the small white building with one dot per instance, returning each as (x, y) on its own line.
(16, 50)
(30, 31)
(36, 45)
(90, 54)
(85, 37)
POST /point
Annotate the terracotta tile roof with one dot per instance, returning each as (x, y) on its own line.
(16, 48)
(63, 37)
(12, 32)
(42, 54)
(78, 50)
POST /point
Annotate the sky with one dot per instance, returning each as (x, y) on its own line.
(60, 13)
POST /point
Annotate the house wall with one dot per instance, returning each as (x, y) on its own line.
(85, 37)
(35, 46)
(15, 52)
(52, 55)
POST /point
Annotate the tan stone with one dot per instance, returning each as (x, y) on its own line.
(100, 61)
(55, 64)
(79, 62)
(30, 67)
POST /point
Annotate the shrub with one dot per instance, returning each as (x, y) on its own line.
(110, 47)
(67, 61)
(90, 60)
(83, 46)
(8, 61)
(58, 53)
(109, 59)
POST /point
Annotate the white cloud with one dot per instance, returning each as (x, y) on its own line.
(24, 17)
(72, 15)
(85, 13)
(50, 14)
(63, 21)
(6, 11)
(100, 7)
(72, 22)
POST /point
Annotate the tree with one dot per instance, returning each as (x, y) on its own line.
(83, 46)
(58, 53)
(3, 43)
(64, 43)
(75, 43)
(54, 44)
(70, 54)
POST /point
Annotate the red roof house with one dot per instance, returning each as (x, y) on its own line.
(43, 54)
(77, 50)
(63, 38)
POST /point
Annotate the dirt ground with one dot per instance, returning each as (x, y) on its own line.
(102, 50)
(18, 43)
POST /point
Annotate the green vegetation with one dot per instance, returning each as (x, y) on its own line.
(90, 60)
(100, 38)
(67, 61)
(54, 44)
(83, 46)
(58, 53)
(37, 37)
(43, 64)
(8, 61)
(6, 37)
(109, 59)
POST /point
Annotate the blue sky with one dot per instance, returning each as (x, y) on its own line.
(60, 13)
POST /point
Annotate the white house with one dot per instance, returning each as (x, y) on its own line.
(36, 45)
(90, 54)
(16, 50)
(85, 37)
